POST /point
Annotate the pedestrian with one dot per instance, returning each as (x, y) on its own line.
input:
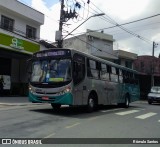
(1, 85)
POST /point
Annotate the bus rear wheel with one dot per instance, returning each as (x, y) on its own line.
(91, 104)
(56, 107)
(126, 104)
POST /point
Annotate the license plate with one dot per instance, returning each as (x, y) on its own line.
(45, 98)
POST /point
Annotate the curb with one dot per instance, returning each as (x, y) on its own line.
(18, 104)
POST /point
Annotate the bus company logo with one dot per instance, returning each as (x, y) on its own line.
(39, 91)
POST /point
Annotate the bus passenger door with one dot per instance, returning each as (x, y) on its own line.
(78, 77)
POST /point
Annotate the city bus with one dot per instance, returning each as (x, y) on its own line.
(74, 78)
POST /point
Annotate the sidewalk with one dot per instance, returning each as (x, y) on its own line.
(14, 101)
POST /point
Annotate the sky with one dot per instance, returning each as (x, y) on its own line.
(120, 11)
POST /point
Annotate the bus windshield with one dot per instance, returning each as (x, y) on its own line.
(48, 71)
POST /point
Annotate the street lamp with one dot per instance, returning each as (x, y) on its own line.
(100, 14)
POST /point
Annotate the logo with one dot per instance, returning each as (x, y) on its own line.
(39, 91)
(6, 141)
(17, 43)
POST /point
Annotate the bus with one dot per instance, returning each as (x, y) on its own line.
(74, 78)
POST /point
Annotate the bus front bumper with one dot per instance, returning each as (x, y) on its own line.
(66, 99)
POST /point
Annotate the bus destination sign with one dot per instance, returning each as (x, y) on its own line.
(53, 53)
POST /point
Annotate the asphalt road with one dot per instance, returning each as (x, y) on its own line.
(41, 121)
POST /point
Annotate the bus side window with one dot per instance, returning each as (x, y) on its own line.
(92, 69)
(104, 74)
(120, 76)
(114, 75)
(127, 77)
(136, 79)
(109, 71)
(124, 76)
(131, 78)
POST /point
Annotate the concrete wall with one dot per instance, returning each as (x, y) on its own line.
(78, 43)
(101, 46)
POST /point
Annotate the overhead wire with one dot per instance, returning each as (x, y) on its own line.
(109, 19)
(120, 26)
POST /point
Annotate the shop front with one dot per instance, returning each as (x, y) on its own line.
(14, 53)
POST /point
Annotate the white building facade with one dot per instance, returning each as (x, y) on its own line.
(101, 45)
(94, 43)
(19, 39)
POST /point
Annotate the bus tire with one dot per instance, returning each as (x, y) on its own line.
(127, 101)
(91, 104)
(56, 107)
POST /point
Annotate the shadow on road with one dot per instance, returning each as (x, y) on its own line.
(80, 112)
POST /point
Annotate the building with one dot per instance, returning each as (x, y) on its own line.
(101, 45)
(148, 66)
(94, 43)
(19, 39)
(125, 58)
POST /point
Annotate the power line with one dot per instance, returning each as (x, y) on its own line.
(124, 23)
(145, 27)
(120, 26)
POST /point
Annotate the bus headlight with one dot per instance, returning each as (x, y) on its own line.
(66, 90)
(30, 89)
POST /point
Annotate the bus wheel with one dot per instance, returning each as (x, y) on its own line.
(91, 104)
(126, 104)
(56, 107)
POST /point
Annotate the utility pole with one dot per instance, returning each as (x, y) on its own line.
(64, 17)
(152, 76)
(61, 24)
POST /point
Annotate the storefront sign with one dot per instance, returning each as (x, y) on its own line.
(18, 44)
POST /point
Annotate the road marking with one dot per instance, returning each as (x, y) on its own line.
(158, 120)
(93, 118)
(50, 135)
(144, 116)
(67, 127)
(127, 112)
(111, 110)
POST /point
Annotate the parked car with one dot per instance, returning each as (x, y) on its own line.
(154, 95)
